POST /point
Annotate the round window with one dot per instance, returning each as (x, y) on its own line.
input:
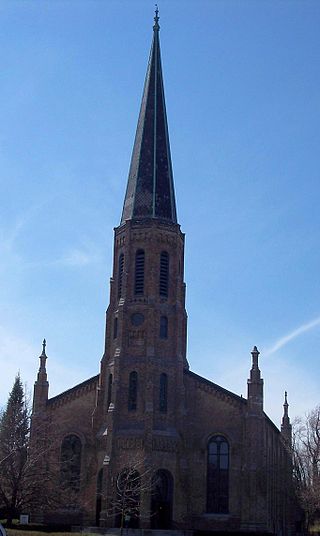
(137, 319)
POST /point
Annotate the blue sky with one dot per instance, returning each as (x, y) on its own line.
(242, 85)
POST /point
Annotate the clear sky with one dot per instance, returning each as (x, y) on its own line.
(242, 81)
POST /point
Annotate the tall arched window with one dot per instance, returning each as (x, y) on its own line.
(70, 462)
(164, 274)
(139, 273)
(163, 393)
(163, 327)
(133, 391)
(218, 475)
(109, 399)
(120, 274)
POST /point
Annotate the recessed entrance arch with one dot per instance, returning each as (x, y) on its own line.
(161, 500)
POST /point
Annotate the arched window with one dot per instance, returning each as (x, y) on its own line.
(163, 327)
(218, 475)
(163, 393)
(115, 327)
(109, 399)
(70, 462)
(139, 273)
(164, 274)
(120, 274)
(133, 391)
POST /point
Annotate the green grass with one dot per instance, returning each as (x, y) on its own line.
(15, 532)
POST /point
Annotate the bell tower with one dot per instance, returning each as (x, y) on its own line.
(141, 398)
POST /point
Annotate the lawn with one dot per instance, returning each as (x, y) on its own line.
(15, 532)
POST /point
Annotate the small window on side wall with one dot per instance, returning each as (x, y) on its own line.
(120, 275)
(133, 391)
(115, 327)
(163, 393)
(163, 327)
(109, 399)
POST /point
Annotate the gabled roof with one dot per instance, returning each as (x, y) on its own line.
(150, 189)
(216, 387)
(75, 391)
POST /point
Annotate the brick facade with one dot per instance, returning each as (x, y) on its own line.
(145, 404)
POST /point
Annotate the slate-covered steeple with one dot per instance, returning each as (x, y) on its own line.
(150, 190)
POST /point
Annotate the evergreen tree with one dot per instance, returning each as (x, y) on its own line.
(14, 438)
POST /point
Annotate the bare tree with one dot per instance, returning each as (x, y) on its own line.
(130, 486)
(306, 463)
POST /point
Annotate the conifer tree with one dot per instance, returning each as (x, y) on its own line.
(14, 438)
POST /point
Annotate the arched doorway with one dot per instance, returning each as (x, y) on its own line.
(127, 501)
(161, 500)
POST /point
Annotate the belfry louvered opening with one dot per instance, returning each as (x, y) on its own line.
(139, 273)
(120, 275)
(164, 274)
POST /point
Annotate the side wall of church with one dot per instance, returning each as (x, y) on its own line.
(259, 481)
(212, 412)
(70, 415)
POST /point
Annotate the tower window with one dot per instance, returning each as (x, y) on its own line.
(139, 273)
(120, 274)
(163, 393)
(133, 391)
(218, 475)
(163, 327)
(109, 399)
(115, 327)
(164, 274)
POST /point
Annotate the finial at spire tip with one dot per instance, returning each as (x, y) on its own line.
(44, 344)
(156, 18)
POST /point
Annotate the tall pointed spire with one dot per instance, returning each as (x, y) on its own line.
(286, 427)
(150, 190)
(41, 385)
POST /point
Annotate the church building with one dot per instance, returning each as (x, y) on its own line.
(147, 443)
